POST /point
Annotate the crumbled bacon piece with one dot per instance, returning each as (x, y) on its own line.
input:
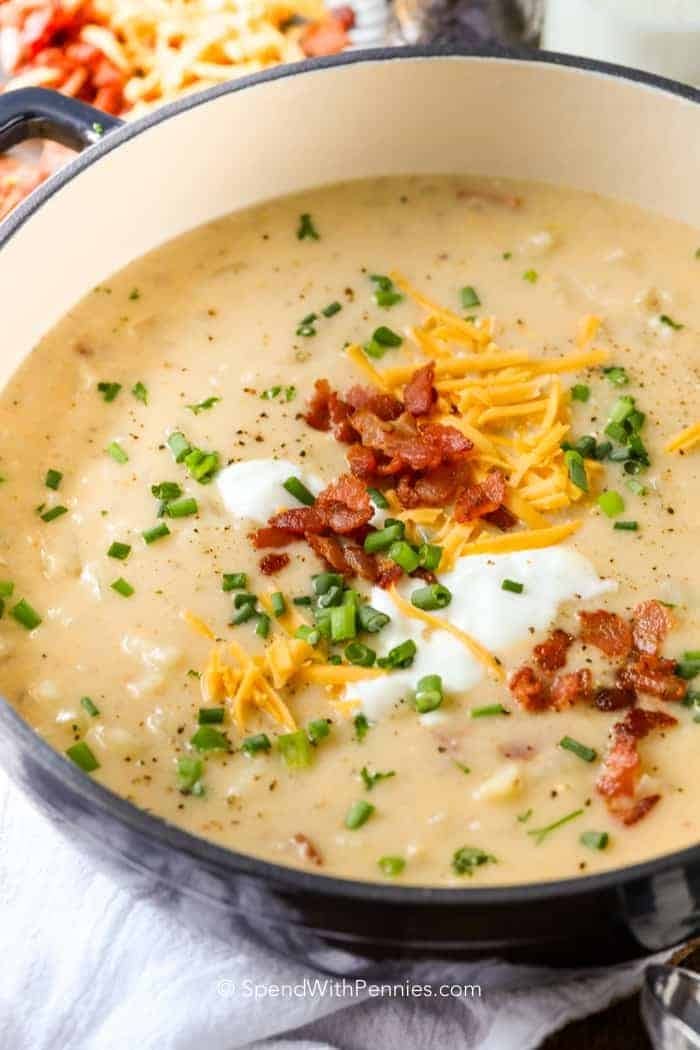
(631, 814)
(297, 521)
(614, 698)
(649, 673)
(317, 413)
(362, 462)
(502, 518)
(307, 849)
(271, 536)
(388, 572)
(529, 690)
(360, 562)
(419, 393)
(405, 446)
(386, 406)
(606, 631)
(550, 655)
(651, 622)
(330, 550)
(480, 499)
(344, 505)
(273, 563)
(619, 777)
(329, 35)
(568, 689)
(436, 488)
(640, 721)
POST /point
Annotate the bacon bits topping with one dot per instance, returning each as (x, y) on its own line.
(651, 622)
(568, 689)
(621, 771)
(530, 691)
(649, 673)
(419, 393)
(307, 849)
(344, 505)
(550, 655)
(273, 563)
(479, 500)
(436, 488)
(386, 406)
(614, 698)
(606, 631)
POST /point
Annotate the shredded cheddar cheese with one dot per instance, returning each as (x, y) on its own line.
(686, 440)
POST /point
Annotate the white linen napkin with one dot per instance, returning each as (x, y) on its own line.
(87, 966)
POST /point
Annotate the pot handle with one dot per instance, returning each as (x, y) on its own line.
(36, 113)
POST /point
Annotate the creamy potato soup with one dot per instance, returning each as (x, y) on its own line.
(358, 532)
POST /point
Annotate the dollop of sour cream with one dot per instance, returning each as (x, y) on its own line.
(255, 489)
(498, 619)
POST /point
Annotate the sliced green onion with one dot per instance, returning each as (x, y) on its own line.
(310, 635)
(400, 657)
(140, 392)
(513, 586)
(202, 465)
(202, 406)
(295, 749)
(580, 392)
(244, 599)
(540, 834)
(370, 779)
(53, 513)
(211, 715)
(688, 668)
(323, 582)
(253, 745)
(179, 446)
(430, 556)
(469, 297)
(626, 526)
(360, 655)
(429, 694)
(594, 839)
(358, 814)
(306, 229)
(189, 772)
(577, 470)
(467, 859)
(6, 588)
(117, 453)
(361, 727)
(383, 339)
(158, 532)
(318, 730)
(372, 620)
(391, 866)
(433, 596)
(166, 490)
(404, 555)
(278, 604)
(616, 375)
(122, 587)
(297, 489)
(637, 487)
(488, 711)
(120, 551)
(303, 599)
(332, 309)
(588, 754)
(382, 539)
(245, 612)
(234, 581)
(665, 319)
(378, 498)
(531, 275)
(89, 706)
(611, 503)
(109, 390)
(182, 508)
(262, 626)
(53, 479)
(523, 818)
(207, 738)
(343, 622)
(385, 293)
(83, 757)
(461, 766)
(23, 613)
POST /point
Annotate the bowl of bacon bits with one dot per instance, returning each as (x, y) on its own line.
(128, 56)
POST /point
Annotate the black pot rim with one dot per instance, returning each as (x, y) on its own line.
(221, 857)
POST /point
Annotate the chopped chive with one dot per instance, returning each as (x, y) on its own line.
(324, 581)
(246, 612)
(488, 711)
(576, 468)
(120, 551)
(335, 659)
(53, 479)
(202, 465)
(370, 779)
(308, 634)
(540, 834)
(189, 773)
(611, 503)
(166, 490)
(616, 375)
(429, 694)
(382, 539)
(179, 446)
(588, 754)
(691, 654)
(468, 297)
(302, 599)
(404, 555)
(156, 533)
(360, 655)
(386, 337)
(306, 229)
(626, 526)
(513, 586)
(430, 556)
(523, 818)
(665, 319)
(6, 588)
(636, 486)
(594, 839)
(318, 729)
(332, 309)
(371, 620)
(83, 757)
(361, 727)
(278, 604)
(23, 613)
(688, 668)
(234, 581)
(358, 814)
(461, 766)
(531, 275)
(181, 508)
(206, 738)
(295, 749)
(580, 392)
(210, 715)
(202, 406)
(271, 393)
(378, 498)
(122, 587)
(306, 329)
(343, 622)
(117, 453)
(468, 858)
(400, 657)
(253, 745)
(296, 488)
(89, 706)
(391, 866)
(140, 392)
(53, 513)
(262, 626)
(109, 390)
(433, 596)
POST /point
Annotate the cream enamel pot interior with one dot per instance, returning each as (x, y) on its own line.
(585, 125)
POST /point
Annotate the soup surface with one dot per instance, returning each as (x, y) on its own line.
(471, 659)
